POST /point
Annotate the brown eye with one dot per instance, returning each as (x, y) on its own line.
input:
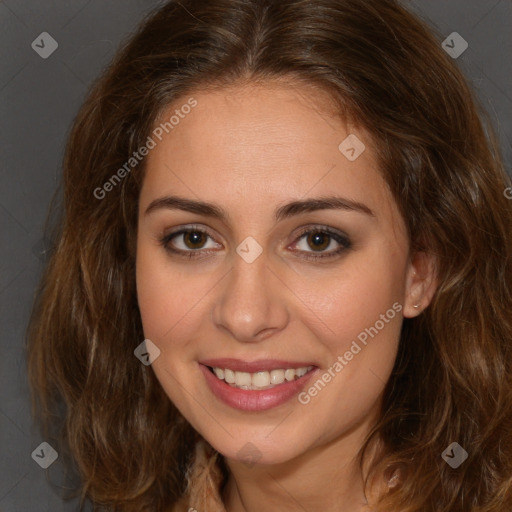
(194, 239)
(318, 241)
(192, 242)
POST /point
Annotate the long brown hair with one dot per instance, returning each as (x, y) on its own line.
(437, 151)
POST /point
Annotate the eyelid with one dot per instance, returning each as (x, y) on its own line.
(339, 237)
(319, 228)
(186, 228)
(165, 240)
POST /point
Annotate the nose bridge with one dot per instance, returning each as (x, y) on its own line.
(249, 305)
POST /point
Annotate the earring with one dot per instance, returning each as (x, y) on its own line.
(416, 305)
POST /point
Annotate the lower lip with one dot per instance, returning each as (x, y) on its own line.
(252, 400)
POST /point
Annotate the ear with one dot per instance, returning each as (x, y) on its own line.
(421, 283)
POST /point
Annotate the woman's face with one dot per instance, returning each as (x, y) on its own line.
(245, 171)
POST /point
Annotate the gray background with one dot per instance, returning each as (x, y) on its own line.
(39, 98)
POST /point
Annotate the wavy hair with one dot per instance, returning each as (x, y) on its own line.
(385, 68)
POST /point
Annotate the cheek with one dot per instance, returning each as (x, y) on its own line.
(173, 301)
(163, 299)
(360, 327)
(353, 298)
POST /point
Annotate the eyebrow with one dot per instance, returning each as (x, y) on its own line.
(283, 212)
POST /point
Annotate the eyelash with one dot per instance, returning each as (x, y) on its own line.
(343, 240)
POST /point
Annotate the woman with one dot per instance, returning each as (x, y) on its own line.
(283, 277)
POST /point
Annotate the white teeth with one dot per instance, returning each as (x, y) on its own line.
(261, 379)
(229, 376)
(243, 379)
(289, 374)
(276, 377)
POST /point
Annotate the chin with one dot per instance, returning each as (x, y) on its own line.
(257, 450)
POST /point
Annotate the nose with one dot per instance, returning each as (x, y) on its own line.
(251, 304)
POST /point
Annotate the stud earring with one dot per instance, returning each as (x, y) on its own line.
(416, 305)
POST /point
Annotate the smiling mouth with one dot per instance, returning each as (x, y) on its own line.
(261, 380)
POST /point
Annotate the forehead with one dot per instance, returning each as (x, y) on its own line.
(266, 143)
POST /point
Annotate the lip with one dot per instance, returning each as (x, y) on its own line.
(261, 365)
(253, 400)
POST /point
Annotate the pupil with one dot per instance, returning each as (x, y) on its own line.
(320, 240)
(195, 237)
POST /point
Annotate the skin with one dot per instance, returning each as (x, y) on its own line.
(250, 149)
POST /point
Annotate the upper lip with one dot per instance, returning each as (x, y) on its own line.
(238, 365)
